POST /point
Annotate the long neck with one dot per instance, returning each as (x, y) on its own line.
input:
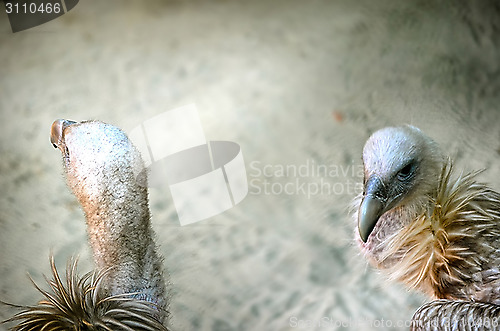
(122, 241)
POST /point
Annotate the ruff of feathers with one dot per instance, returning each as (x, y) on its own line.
(80, 304)
(442, 248)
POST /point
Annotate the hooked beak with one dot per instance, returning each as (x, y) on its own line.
(372, 206)
(57, 132)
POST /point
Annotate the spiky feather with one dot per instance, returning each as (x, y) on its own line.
(81, 304)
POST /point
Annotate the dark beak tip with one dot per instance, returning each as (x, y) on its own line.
(363, 234)
(364, 238)
(370, 210)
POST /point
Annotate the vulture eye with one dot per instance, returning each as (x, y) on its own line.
(406, 171)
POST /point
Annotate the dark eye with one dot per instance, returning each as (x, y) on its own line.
(406, 171)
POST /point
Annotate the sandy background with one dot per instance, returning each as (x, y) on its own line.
(293, 83)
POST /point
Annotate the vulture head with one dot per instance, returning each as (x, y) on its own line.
(100, 162)
(401, 166)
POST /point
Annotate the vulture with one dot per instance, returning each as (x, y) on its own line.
(127, 290)
(431, 227)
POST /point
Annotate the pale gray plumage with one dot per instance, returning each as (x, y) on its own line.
(429, 228)
(128, 292)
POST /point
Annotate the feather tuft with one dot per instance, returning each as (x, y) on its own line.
(81, 304)
(440, 250)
